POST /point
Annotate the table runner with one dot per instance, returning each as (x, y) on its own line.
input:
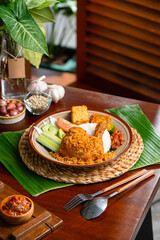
(36, 184)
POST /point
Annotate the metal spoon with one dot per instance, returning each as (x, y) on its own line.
(97, 206)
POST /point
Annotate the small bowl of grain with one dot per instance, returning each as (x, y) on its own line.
(37, 102)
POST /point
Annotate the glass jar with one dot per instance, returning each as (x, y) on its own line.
(13, 76)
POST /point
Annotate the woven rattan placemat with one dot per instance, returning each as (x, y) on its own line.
(78, 175)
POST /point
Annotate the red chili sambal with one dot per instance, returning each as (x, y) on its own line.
(117, 139)
(17, 205)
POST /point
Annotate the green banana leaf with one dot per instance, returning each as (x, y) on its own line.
(11, 159)
(134, 116)
(36, 184)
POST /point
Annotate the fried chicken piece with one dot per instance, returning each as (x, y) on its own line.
(77, 143)
(96, 118)
(100, 128)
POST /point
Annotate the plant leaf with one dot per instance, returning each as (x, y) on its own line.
(7, 3)
(34, 57)
(42, 15)
(20, 9)
(39, 3)
(134, 116)
(47, 3)
(69, 8)
(24, 30)
(33, 3)
(9, 156)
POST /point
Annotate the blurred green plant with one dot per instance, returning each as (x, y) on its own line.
(67, 8)
(23, 20)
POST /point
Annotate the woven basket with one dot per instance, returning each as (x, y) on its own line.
(84, 175)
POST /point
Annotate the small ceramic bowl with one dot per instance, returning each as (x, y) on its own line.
(37, 102)
(16, 219)
(16, 118)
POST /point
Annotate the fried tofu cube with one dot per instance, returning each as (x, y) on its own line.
(96, 118)
(79, 115)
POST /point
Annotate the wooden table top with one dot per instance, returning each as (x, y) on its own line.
(125, 212)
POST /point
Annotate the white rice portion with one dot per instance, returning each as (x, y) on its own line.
(106, 141)
(90, 129)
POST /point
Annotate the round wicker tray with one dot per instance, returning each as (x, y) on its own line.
(78, 175)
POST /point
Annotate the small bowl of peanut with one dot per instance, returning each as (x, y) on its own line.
(37, 102)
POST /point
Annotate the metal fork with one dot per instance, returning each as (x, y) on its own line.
(82, 197)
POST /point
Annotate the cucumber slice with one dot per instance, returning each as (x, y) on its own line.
(45, 127)
(52, 137)
(53, 130)
(110, 127)
(48, 143)
(61, 133)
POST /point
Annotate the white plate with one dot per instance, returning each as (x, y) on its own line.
(119, 123)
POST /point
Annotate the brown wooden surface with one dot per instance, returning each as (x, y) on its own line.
(42, 222)
(125, 212)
